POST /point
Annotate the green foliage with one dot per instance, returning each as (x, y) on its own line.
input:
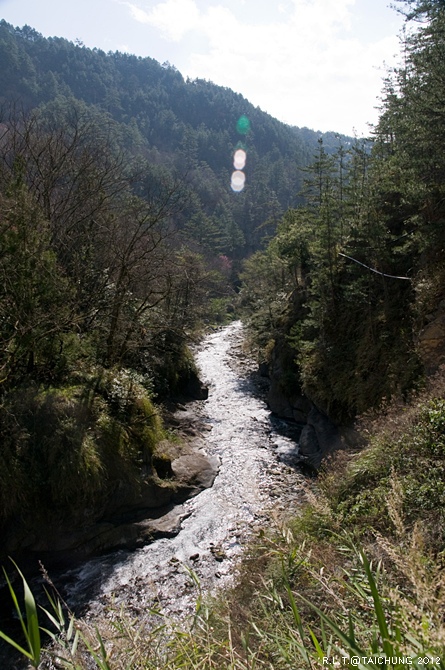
(65, 448)
(35, 295)
(131, 426)
(405, 467)
(267, 283)
(64, 632)
(220, 311)
(29, 623)
(349, 323)
(373, 219)
(155, 113)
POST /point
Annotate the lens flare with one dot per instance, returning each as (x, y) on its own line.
(239, 159)
(238, 181)
(243, 125)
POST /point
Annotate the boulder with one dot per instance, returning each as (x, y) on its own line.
(134, 515)
(294, 407)
(194, 472)
(318, 437)
(194, 389)
(146, 493)
(138, 533)
(308, 445)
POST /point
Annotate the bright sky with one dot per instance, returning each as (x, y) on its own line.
(314, 63)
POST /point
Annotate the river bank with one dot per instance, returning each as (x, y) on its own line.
(256, 487)
(252, 489)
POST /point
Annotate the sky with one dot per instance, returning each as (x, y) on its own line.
(313, 63)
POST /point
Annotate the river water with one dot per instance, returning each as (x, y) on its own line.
(256, 484)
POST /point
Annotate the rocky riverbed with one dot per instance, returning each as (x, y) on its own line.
(255, 459)
(256, 485)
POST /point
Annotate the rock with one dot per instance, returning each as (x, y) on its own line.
(167, 525)
(431, 342)
(263, 369)
(146, 494)
(98, 537)
(285, 399)
(318, 437)
(194, 388)
(194, 472)
(134, 514)
(218, 553)
(309, 448)
(163, 466)
(294, 407)
(133, 534)
(115, 537)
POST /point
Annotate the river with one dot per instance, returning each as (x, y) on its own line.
(258, 485)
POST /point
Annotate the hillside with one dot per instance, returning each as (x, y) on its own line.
(187, 126)
(122, 241)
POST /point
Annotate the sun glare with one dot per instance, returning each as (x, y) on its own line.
(239, 159)
(238, 181)
(240, 156)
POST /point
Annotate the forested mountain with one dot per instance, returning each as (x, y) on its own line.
(349, 293)
(189, 127)
(120, 236)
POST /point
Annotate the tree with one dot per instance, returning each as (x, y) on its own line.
(106, 226)
(36, 298)
(139, 266)
(420, 10)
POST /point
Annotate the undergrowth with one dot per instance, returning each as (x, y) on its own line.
(356, 580)
(64, 448)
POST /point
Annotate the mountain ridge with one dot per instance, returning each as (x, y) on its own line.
(186, 122)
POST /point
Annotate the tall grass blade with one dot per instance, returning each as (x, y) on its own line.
(350, 642)
(16, 603)
(297, 619)
(320, 652)
(32, 622)
(351, 628)
(30, 626)
(102, 658)
(388, 647)
(16, 646)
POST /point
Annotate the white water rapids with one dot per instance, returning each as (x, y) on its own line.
(252, 488)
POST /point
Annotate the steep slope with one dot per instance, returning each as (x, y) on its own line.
(189, 126)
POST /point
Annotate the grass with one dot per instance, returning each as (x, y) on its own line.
(356, 580)
(28, 621)
(63, 448)
(357, 625)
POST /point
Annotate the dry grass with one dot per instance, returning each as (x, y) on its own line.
(307, 589)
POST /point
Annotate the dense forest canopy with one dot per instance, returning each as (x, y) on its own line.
(120, 238)
(358, 267)
(187, 126)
